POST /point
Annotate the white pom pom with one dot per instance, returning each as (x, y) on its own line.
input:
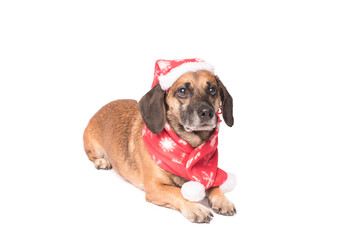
(229, 184)
(193, 191)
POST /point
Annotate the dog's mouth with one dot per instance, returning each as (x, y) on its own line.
(204, 127)
(196, 122)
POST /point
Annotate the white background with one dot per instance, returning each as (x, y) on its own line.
(292, 68)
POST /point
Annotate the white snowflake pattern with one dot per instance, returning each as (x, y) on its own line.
(176, 161)
(209, 178)
(164, 65)
(143, 132)
(189, 162)
(197, 155)
(213, 141)
(167, 144)
(148, 132)
(196, 179)
(183, 142)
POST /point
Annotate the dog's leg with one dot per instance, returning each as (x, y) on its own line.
(219, 203)
(97, 156)
(170, 196)
(100, 162)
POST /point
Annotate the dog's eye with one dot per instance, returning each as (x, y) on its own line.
(212, 91)
(182, 92)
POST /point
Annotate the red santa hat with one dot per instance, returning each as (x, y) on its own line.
(168, 71)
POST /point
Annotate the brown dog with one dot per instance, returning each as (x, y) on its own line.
(113, 138)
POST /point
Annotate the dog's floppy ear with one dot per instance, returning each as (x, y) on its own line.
(227, 103)
(152, 109)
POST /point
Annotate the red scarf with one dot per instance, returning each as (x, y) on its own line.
(176, 156)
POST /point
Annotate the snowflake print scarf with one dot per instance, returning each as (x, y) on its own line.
(176, 156)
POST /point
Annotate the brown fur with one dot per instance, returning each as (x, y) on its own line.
(113, 139)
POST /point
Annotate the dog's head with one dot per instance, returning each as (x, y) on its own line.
(189, 105)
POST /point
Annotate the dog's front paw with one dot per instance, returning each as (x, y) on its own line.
(221, 205)
(197, 213)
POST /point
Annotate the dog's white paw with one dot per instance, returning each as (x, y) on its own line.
(222, 205)
(197, 213)
(102, 163)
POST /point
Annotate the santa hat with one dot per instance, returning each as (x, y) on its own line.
(168, 71)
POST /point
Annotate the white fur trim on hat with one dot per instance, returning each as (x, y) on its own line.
(166, 81)
(229, 184)
(193, 191)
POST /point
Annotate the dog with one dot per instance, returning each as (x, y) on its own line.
(113, 138)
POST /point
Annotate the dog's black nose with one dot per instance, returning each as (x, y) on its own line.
(205, 113)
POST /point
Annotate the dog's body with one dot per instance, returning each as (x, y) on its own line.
(113, 138)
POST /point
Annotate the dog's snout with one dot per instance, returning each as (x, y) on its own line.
(205, 113)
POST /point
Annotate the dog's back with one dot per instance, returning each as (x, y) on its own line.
(111, 137)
